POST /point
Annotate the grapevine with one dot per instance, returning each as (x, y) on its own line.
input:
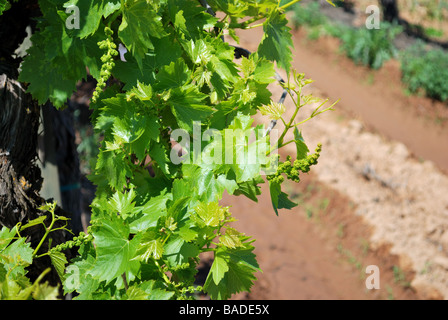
(173, 118)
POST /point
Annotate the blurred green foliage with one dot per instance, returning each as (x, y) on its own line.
(425, 70)
(308, 15)
(370, 47)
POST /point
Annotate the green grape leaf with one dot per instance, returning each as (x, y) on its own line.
(302, 149)
(43, 291)
(17, 256)
(198, 51)
(187, 107)
(113, 247)
(166, 50)
(177, 251)
(130, 72)
(228, 184)
(6, 236)
(149, 248)
(122, 203)
(250, 188)
(233, 273)
(210, 213)
(222, 60)
(159, 153)
(264, 70)
(219, 267)
(277, 42)
(127, 130)
(231, 238)
(59, 261)
(208, 186)
(275, 190)
(91, 13)
(135, 293)
(274, 110)
(242, 155)
(177, 208)
(279, 199)
(3, 273)
(4, 5)
(151, 211)
(45, 67)
(187, 232)
(190, 18)
(284, 202)
(33, 222)
(125, 123)
(139, 25)
(111, 168)
(45, 80)
(76, 274)
(141, 91)
(155, 290)
(174, 75)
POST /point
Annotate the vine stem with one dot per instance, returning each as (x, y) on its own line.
(245, 24)
(47, 232)
(164, 276)
(286, 143)
(254, 26)
(283, 7)
(289, 125)
(316, 113)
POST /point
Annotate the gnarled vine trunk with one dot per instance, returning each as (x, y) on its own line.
(20, 176)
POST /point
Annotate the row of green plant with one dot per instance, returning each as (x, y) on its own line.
(370, 47)
(423, 70)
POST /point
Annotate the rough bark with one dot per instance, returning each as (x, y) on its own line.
(20, 179)
(20, 176)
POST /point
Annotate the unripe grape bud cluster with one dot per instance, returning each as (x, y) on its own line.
(108, 62)
(293, 169)
(76, 241)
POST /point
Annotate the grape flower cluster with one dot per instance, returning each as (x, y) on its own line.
(108, 62)
(76, 241)
(292, 169)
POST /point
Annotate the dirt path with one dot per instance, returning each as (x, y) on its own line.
(315, 251)
(375, 204)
